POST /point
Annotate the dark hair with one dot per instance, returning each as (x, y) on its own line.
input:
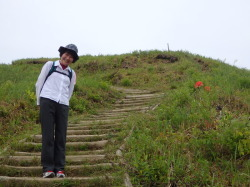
(61, 53)
(72, 49)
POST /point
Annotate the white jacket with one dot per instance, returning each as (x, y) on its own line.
(57, 87)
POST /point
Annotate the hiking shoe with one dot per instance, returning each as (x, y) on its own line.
(60, 174)
(49, 174)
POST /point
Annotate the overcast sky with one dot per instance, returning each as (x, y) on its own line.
(219, 29)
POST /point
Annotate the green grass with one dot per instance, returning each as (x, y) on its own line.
(196, 137)
(187, 140)
(18, 110)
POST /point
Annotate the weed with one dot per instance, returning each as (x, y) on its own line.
(198, 136)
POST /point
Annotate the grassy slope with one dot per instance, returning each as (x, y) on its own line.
(197, 136)
(19, 115)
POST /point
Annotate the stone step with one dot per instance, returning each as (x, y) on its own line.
(70, 170)
(131, 109)
(109, 115)
(93, 131)
(103, 180)
(132, 91)
(117, 105)
(70, 146)
(101, 143)
(144, 96)
(95, 144)
(134, 101)
(69, 158)
(75, 138)
(137, 100)
(86, 158)
(102, 118)
(106, 122)
(138, 92)
(35, 168)
(97, 121)
(100, 151)
(93, 126)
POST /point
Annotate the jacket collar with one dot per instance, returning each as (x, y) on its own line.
(57, 63)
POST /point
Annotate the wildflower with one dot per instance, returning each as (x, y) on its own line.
(207, 88)
(198, 84)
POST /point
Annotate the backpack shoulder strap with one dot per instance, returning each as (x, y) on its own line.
(70, 73)
(52, 69)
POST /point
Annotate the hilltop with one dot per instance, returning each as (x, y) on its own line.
(198, 135)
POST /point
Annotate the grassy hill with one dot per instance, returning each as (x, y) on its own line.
(198, 135)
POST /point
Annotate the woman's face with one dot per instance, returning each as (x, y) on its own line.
(67, 59)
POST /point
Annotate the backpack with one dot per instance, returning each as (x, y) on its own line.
(53, 69)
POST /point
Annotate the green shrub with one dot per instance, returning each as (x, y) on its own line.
(126, 82)
(196, 137)
(245, 83)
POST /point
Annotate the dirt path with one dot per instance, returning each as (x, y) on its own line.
(89, 161)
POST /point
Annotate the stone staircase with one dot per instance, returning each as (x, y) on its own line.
(91, 158)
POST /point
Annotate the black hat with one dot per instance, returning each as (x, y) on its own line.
(72, 49)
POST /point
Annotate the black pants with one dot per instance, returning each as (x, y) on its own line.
(54, 121)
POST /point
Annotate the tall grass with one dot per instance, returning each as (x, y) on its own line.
(18, 110)
(198, 136)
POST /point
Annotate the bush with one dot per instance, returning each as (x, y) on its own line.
(244, 83)
(230, 142)
(126, 82)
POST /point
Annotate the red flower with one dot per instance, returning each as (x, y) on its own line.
(198, 84)
(207, 88)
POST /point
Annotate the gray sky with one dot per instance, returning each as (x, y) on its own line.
(219, 29)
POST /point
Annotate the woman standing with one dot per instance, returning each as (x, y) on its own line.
(54, 89)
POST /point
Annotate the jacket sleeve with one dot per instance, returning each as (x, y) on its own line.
(72, 84)
(40, 81)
